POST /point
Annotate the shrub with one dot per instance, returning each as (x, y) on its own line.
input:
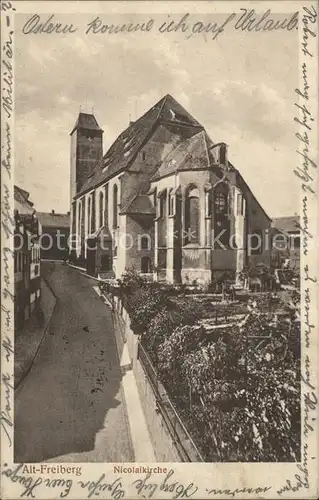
(174, 314)
(142, 306)
(131, 281)
(171, 354)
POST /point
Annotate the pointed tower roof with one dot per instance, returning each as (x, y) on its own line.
(86, 121)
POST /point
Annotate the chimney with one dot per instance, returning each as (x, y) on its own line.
(52, 212)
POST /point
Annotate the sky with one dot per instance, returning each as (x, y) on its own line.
(240, 87)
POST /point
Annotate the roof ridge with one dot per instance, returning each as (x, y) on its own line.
(206, 148)
(164, 99)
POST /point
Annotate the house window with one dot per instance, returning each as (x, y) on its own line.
(101, 209)
(256, 242)
(146, 265)
(192, 216)
(115, 206)
(295, 242)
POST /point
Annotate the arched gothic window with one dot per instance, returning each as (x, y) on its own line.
(256, 242)
(115, 206)
(221, 219)
(170, 202)
(221, 199)
(192, 215)
(93, 213)
(208, 203)
(79, 218)
(101, 209)
(89, 214)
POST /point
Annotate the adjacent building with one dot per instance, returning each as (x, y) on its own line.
(286, 242)
(164, 199)
(27, 280)
(55, 235)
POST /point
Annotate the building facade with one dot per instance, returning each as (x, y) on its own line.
(27, 276)
(55, 235)
(164, 199)
(286, 242)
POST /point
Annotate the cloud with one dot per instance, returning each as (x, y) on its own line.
(234, 87)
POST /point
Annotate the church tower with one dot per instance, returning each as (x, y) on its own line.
(86, 150)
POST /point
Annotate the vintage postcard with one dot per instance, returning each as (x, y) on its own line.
(159, 250)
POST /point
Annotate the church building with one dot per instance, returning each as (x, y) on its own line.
(164, 199)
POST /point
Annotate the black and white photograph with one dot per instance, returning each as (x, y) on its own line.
(160, 262)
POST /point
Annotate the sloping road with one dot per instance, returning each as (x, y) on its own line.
(71, 404)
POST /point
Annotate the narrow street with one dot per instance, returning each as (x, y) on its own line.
(71, 406)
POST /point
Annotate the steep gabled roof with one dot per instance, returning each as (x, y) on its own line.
(287, 224)
(49, 219)
(191, 154)
(22, 202)
(243, 183)
(128, 144)
(86, 121)
(140, 204)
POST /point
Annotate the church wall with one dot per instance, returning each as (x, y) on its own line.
(118, 249)
(100, 189)
(73, 165)
(196, 257)
(257, 220)
(197, 260)
(87, 154)
(136, 227)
